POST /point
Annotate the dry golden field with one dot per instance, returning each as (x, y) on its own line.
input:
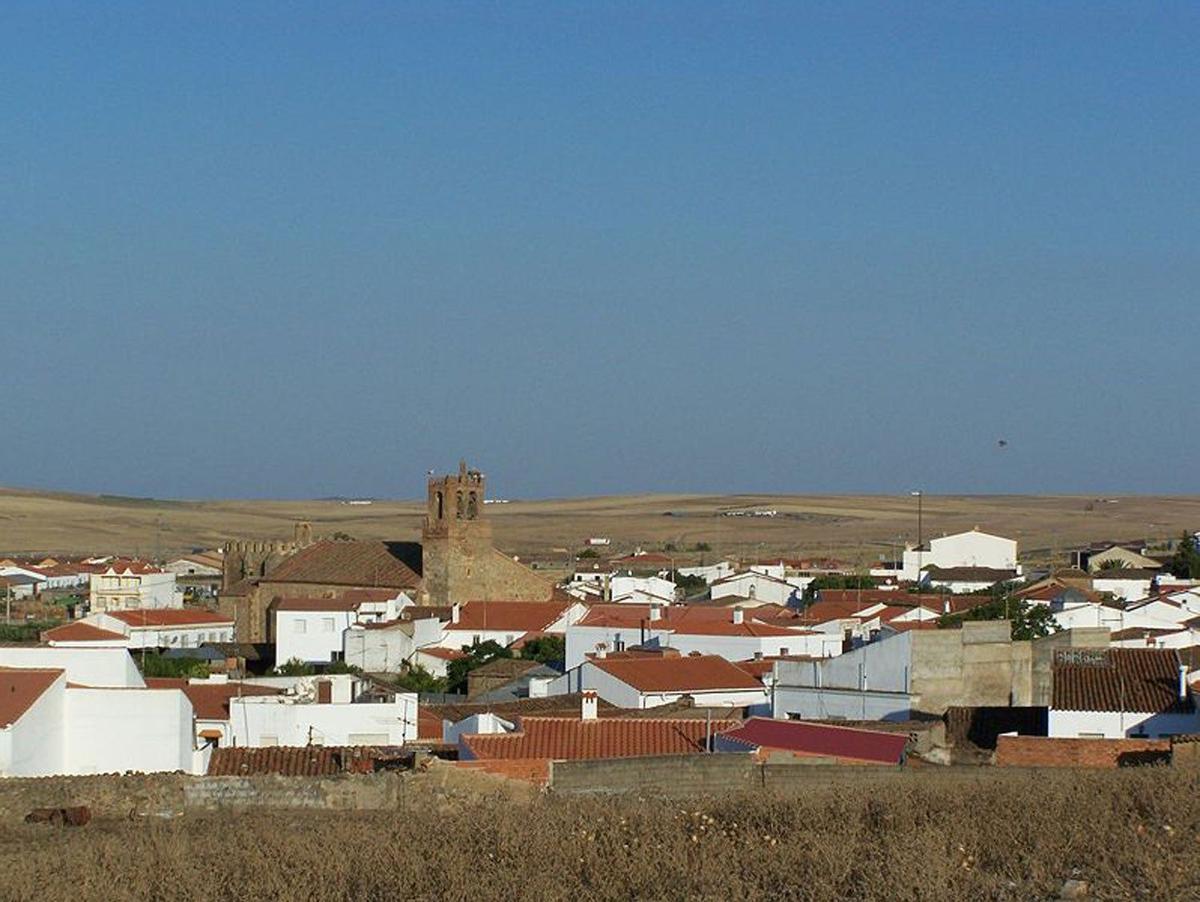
(1012, 835)
(856, 528)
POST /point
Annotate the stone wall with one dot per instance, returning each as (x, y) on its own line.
(1043, 751)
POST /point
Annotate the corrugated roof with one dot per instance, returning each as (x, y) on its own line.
(20, 688)
(696, 673)
(358, 564)
(563, 738)
(807, 738)
(1142, 680)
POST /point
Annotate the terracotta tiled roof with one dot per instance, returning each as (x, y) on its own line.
(128, 565)
(293, 603)
(1117, 679)
(20, 688)
(701, 620)
(168, 618)
(514, 616)
(610, 737)
(685, 674)
(360, 564)
(424, 612)
(821, 739)
(80, 632)
(211, 702)
(306, 761)
(446, 654)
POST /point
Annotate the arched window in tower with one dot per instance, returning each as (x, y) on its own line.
(440, 505)
(472, 509)
(462, 507)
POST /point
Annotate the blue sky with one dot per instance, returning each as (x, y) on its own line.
(293, 250)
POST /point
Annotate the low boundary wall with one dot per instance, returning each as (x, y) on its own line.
(1044, 751)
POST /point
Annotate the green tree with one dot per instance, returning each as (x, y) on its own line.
(1112, 564)
(1029, 621)
(295, 667)
(838, 581)
(477, 655)
(702, 546)
(1185, 562)
(588, 553)
(691, 585)
(418, 679)
(342, 667)
(545, 649)
(154, 664)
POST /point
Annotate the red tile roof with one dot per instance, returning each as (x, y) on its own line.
(170, 618)
(1141, 680)
(211, 701)
(446, 654)
(306, 761)
(610, 737)
(513, 616)
(694, 673)
(359, 564)
(700, 620)
(20, 688)
(127, 565)
(823, 740)
(80, 632)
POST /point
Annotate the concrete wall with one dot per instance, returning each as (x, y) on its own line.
(258, 721)
(808, 703)
(977, 665)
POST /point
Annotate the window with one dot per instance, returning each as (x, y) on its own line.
(327, 624)
(299, 626)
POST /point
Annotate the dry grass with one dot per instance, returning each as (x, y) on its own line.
(1006, 835)
(859, 528)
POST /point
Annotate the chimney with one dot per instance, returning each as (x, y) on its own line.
(455, 613)
(1183, 686)
(758, 656)
(739, 615)
(946, 605)
(588, 706)
(655, 613)
(602, 651)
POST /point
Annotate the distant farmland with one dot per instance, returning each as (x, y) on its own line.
(857, 528)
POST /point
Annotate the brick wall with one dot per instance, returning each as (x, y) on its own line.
(532, 770)
(1043, 751)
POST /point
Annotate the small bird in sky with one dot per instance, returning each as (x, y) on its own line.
(1002, 443)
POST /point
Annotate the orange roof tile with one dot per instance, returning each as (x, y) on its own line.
(694, 673)
(561, 738)
(210, 701)
(80, 632)
(360, 564)
(168, 618)
(446, 654)
(20, 688)
(516, 616)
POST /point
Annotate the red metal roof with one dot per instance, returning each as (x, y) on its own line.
(823, 740)
(611, 737)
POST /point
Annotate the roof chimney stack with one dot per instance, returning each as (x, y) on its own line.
(455, 613)
(1183, 686)
(602, 651)
(588, 706)
(655, 613)
(739, 615)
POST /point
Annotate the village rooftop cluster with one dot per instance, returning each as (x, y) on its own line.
(245, 659)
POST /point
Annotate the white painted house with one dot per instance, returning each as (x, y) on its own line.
(300, 719)
(152, 628)
(128, 585)
(72, 711)
(964, 549)
(1112, 693)
(313, 629)
(631, 680)
(760, 588)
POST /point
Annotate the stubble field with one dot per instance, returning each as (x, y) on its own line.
(860, 529)
(1006, 835)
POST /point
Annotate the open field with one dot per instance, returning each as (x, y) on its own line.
(1002, 835)
(858, 528)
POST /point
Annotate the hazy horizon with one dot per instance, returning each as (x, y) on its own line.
(304, 251)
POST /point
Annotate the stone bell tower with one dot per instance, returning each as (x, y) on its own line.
(456, 540)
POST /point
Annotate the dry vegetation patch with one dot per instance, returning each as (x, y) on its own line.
(1015, 835)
